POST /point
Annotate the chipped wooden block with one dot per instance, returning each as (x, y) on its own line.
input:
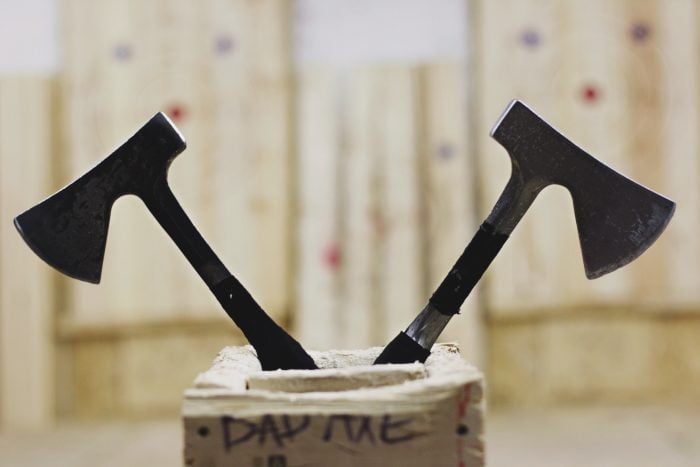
(347, 413)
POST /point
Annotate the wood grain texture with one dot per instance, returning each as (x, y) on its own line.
(598, 72)
(319, 254)
(448, 193)
(396, 136)
(386, 198)
(221, 71)
(26, 292)
(425, 414)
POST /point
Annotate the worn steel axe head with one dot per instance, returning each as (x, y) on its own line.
(617, 218)
(69, 229)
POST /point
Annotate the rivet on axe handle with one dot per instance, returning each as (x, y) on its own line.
(617, 220)
(69, 231)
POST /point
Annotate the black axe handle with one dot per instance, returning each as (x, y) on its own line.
(414, 344)
(276, 349)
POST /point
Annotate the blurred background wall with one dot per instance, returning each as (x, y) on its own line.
(338, 162)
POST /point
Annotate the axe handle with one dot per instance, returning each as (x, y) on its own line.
(275, 348)
(414, 344)
(467, 271)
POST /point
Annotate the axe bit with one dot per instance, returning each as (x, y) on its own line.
(69, 231)
(617, 220)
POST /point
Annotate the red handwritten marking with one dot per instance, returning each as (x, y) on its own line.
(464, 400)
(462, 404)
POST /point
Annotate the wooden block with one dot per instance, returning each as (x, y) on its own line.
(26, 288)
(433, 416)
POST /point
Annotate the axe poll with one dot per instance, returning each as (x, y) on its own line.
(617, 220)
(69, 231)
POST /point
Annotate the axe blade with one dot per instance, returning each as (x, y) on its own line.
(617, 218)
(631, 219)
(69, 229)
(68, 238)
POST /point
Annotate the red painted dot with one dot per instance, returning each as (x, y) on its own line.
(590, 93)
(332, 256)
(176, 112)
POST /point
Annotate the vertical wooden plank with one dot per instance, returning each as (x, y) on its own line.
(677, 32)
(271, 151)
(448, 191)
(360, 311)
(26, 294)
(319, 252)
(509, 68)
(645, 119)
(396, 136)
(221, 71)
(229, 171)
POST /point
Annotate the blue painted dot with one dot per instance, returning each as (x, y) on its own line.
(122, 52)
(446, 151)
(223, 45)
(640, 32)
(530, 38)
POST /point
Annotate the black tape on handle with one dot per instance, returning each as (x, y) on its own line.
(276, 349)
(468, 269)
(402, 349)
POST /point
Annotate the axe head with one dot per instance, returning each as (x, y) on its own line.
(617, 218)
(69, 229)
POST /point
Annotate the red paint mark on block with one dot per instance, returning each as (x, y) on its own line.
(332, 256)
(464, 399)
(176, 112)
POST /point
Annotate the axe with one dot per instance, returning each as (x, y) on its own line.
(69, 231)
(617, 220)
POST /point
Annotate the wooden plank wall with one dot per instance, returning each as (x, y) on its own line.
(26, 292)
(618, 98)
(385, 199)
(620, 79)
(220, 70)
